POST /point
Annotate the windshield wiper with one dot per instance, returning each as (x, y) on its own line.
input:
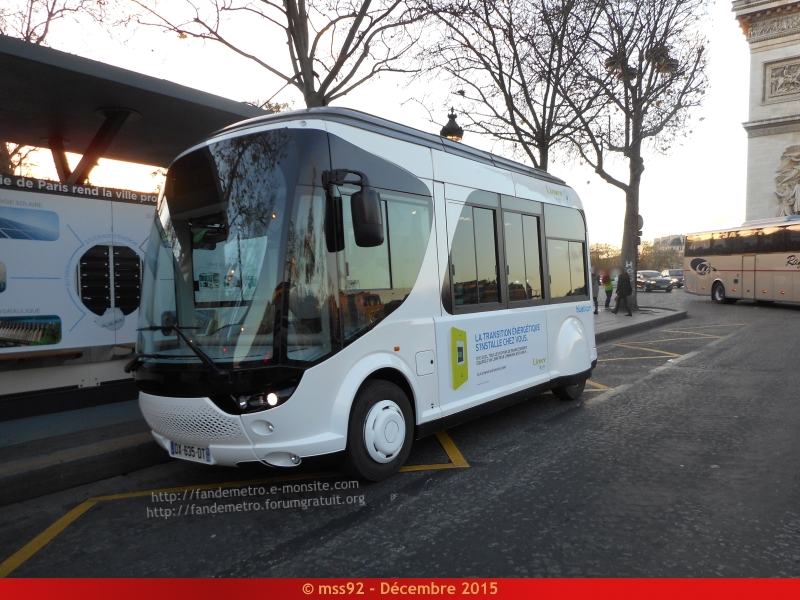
(205, 358)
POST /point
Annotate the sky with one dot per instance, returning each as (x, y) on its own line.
(700, 185)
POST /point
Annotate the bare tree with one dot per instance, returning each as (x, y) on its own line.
(333, 45)
(31, 21)
(508, 59)
(648, 59)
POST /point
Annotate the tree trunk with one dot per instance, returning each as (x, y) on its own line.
(630, 250)
(314, 99)
(6, 164)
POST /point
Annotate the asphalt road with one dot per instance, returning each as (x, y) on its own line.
(680, 460)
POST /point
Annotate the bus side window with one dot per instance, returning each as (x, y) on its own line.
(364, 268)
(791, 239)
(473, 257)
(566, 258)
(523, 256)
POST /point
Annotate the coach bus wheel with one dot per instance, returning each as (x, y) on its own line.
(380, 433)
(569, 392)
(718, 294)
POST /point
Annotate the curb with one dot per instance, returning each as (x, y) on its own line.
(31, 478)
(619, 332)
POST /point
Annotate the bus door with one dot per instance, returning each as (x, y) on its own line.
(749, 277)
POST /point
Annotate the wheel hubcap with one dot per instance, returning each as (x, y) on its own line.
(384, 431)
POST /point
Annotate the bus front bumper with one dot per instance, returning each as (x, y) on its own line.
(232, 439)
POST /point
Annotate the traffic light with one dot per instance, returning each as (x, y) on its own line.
(639, 238)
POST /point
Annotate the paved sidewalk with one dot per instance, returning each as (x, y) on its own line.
(49, 453)
(608, 326)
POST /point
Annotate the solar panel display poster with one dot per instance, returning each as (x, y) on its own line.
(70, 264)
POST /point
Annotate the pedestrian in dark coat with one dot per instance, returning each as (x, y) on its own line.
(624, 290)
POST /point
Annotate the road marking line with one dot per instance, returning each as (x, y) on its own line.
(634, 357)
(453, 453)
(609, 394)
(598, 386)
(41, 540)
(663, 352)
(457, 461)
(704, 335)
(695, 333)
(713, 326)
(409, 468)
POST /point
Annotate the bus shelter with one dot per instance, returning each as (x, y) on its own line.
(71, 253)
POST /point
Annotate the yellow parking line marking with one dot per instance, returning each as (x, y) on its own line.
(696, 333)
(663, 352)
(13, 562)
(409, 468)
(453, 453)
(41, 540)
(598, 386)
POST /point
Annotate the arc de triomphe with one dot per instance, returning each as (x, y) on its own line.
(772, 29)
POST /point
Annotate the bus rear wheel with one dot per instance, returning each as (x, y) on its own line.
(569, 392)
(380, 432)
(718, 294)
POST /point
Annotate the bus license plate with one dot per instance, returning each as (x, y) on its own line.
(189, 452)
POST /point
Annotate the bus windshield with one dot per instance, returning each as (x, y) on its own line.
(213, 263)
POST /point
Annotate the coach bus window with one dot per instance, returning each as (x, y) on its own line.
(745, 242)
(720, 244)
(698, 245)
(791, 239)
(473, 257)
(771, 240)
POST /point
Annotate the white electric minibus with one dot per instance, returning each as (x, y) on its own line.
(758, 261)
(325, 281)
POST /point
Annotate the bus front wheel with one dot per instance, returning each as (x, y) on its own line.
(569, 392)
(718, 294)
(380, 433)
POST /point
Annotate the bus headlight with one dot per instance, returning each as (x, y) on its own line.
(264, 400)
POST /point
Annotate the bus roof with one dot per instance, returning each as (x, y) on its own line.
(362, 120)
(755, 223)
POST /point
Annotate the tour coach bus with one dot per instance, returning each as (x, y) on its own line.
(325, 281)
(758, 261)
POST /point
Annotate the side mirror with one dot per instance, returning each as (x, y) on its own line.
(365, 206)
(367, 217)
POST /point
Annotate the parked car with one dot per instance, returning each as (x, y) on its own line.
(676, 275)
(652, 280)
